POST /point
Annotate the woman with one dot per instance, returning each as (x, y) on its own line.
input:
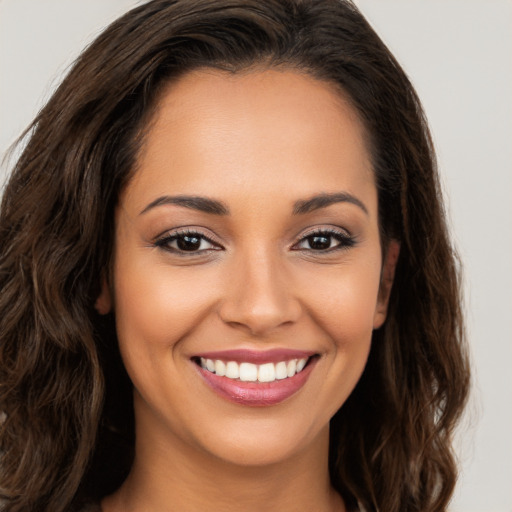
(226, 276)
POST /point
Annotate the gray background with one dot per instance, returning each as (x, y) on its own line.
(458, 53)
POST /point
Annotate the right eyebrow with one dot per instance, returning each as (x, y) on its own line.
(202, 204)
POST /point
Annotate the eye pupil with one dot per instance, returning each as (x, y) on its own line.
(319, 242)
(188, 242)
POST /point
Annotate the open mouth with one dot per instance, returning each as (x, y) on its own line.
(252, 384)
(250, 372)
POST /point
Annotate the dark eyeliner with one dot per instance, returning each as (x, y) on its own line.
(163, 241)
(345, 240)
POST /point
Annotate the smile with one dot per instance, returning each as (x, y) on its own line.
(249, 372)
(256, 379)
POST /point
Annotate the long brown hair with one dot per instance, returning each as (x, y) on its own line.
(67, 420)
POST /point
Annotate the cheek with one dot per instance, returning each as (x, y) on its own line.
(344, 308)
(343, 301)
(156, 306)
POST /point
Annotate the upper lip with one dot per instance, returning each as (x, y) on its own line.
(257, 356)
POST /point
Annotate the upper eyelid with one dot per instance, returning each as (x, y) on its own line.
(173, 233)
(327, 230)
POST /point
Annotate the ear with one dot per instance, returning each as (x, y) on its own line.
(103, 304)
(386, 282)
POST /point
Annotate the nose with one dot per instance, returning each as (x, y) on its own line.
(259, 296)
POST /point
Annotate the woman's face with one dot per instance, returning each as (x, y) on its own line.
(247, 244)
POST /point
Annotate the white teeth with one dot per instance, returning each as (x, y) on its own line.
(291, 367)
(249, 372)
(300, 364)
(232, 370)
(267, 373)
(281, 371)
(220, 367)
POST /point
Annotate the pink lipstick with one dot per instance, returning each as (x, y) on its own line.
(256, 378)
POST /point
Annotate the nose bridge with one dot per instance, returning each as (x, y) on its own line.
(259, 293)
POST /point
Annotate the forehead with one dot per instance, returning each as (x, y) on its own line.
(215, 131)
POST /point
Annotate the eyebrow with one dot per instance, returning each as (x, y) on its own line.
(215, 207)
(203, 204)
(323, 200)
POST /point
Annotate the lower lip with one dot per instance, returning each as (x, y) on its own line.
(257, 394)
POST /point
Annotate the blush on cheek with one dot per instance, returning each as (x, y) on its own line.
(347, 312)
(160, 308)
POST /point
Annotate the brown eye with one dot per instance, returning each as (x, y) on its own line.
(319, 242)
(187, 242)
(325, 241)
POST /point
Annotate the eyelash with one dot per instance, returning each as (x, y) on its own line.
(165, 241)
(345, 241)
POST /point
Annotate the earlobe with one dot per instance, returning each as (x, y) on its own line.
(386, 283)
(103, 304)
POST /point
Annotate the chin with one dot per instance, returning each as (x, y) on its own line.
(266, 449)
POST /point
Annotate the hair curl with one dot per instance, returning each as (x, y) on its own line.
(67, 427)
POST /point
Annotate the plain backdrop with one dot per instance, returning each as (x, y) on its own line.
(458, 54)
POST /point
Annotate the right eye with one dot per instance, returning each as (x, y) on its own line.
(187, 243)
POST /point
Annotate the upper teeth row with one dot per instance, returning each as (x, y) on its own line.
(249, 372)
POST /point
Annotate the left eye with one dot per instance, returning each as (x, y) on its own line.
(325, 241)
(186, 242)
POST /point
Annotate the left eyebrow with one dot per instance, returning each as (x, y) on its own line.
(323, 200)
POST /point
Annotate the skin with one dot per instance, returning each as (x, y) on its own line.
(259, 142)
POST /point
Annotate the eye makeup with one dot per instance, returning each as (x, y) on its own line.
(192, 242)
(187, 242)
(325, 240)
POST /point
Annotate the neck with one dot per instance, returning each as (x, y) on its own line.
(169, 474)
